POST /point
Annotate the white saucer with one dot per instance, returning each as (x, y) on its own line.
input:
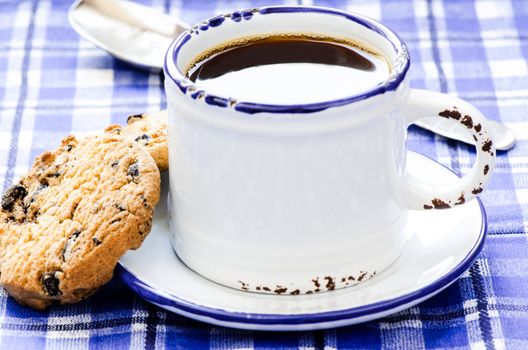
(440, 246)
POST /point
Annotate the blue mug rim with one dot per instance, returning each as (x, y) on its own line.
(187, 87)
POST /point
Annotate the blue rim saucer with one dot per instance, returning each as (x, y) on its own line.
(430, 262)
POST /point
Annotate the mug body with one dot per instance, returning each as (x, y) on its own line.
(287, 199)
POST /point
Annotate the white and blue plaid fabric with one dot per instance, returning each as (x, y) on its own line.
(53, 83)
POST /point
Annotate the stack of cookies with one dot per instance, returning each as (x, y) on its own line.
(65, 224)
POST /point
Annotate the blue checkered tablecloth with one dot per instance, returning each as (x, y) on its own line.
(53, 83)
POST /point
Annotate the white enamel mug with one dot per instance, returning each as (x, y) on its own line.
(300, 199)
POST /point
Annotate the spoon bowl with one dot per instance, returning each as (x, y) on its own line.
(131, 32)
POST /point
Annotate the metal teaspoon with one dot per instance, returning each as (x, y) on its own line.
(129, 31)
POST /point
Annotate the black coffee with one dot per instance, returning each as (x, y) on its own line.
(289, 70)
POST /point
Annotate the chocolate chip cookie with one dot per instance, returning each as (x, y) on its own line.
(66, 223)
(149, 130)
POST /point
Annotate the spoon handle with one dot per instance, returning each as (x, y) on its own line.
(503, 137)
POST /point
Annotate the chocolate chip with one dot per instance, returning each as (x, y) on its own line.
(96, 241)
(41, 187)
(75, 234)
(50, 282)
(477, 127)
(133, 171)
(25, 207)
(266, 289)
(427, 206)
(114, 221)
(138, 116)
(66, 251)
(316, 282)
(119, 207)
(143, 137)
(13, 193)
(486, 169)
(295, 292)
(69, 148)
(144, 201)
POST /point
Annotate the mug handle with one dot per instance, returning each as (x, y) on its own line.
(423, 195)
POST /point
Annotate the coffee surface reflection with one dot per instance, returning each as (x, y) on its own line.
(289, 70)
